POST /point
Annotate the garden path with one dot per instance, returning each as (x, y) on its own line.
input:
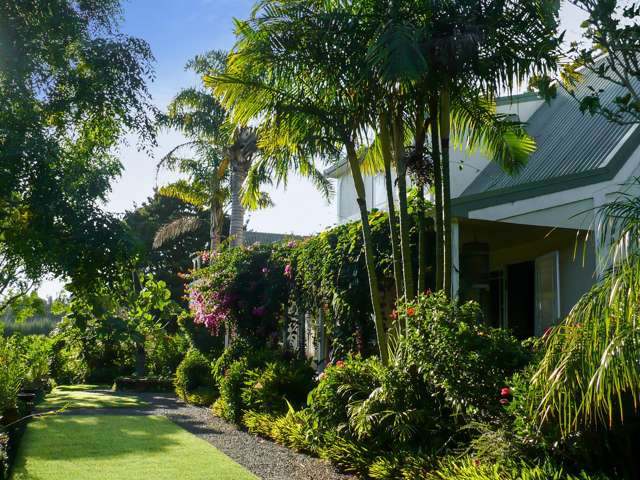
(263, 458)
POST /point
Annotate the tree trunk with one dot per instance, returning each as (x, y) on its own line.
(393, 220)
(437, 180)
(238, 176)
(405, 223)
(445, 125)
(422, 245)
(141, 360)
(369, 253)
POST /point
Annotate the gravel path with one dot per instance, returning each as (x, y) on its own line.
(264, 458)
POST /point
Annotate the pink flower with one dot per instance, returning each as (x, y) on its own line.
(504, 402)
(394, 315)
(265, 270)
(339, 364)
(292, 244)
(288, 271)
(505, 391)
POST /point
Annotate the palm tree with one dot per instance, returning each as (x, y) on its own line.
(288, 72)
(201, 118)
(449, 53)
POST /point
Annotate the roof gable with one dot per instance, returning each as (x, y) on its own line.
(572, 148)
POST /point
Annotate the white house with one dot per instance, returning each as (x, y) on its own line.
(519, 241)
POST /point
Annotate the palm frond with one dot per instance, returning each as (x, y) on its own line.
(187, 192)
(477, 126)
(176, 229)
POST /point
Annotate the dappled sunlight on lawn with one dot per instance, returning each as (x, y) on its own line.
(85, 396)
(114, 447)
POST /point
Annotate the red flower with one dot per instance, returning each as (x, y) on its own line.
(505, 392)
(339, 364)
(504, 402)
(476, 462)
(411, 311)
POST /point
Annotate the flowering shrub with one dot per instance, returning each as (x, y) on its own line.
(244, 290)
(460, 356)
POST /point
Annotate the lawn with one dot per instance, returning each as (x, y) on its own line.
(86, 396)
(118, 447)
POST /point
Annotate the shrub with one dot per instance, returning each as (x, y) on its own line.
(194, 382)
(230, 406)
(36, 352)
(269, 389)
(12, 373)
(466, 360)
(165, 352)
(470, 469)
(341, 384)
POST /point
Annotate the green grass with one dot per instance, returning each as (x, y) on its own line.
(81, 396)
(118, 447)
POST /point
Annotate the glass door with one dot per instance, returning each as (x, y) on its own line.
(547, 292)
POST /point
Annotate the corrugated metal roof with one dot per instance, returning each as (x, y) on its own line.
(265, 238)
(568, 141)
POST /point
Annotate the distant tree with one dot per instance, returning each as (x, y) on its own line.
(172, 257)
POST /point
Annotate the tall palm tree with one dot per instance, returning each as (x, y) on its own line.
(444, 53)
(288, 72)
(202, 120)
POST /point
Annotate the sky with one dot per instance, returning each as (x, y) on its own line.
(176, 32)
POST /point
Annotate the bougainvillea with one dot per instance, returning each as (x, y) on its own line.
(243, 290)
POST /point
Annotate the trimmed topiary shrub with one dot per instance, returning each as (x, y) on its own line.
(194, 381)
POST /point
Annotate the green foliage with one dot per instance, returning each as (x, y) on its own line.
(278, 384)
(341, 385)
(231, 406)
(460, 356)
(172, 258)
(470, 469)
(194, 382)
(72, 86)
(164, 353)
(12, 373)
(611, 38)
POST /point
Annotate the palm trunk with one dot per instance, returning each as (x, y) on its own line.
(393, 220)
(368, 252)
(405, 243)
(445, 125)
(437, 180)
(214, 217)
(238, 176)
(420, 136)
(422, 244)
